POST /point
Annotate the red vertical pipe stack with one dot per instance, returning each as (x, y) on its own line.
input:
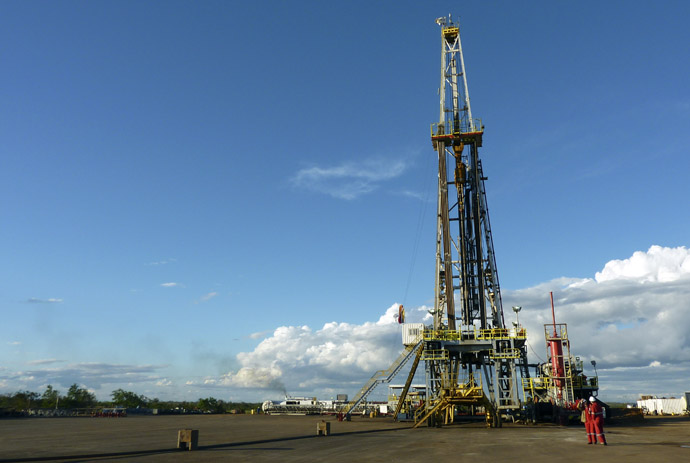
(557, 368)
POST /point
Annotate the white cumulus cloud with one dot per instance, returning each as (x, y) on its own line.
(258, 334)
(633, 321)
(631, 317)
(338, 357)
(658, 264)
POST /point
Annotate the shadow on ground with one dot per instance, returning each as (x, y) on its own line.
(141, 453)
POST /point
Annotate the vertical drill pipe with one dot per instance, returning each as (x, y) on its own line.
(445, 223)
(553, 314)
(460, 176)
(442, 88)
(481, 301)
(438, 309)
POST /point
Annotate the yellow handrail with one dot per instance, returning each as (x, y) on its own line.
(475, 334)
(435, 354)
(447, 128)
(511, 353)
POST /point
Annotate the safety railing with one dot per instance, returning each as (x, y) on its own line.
(582, 382)
(435, 354)
(546, 382)
(536, 383)
(473, 380)
(496, 333)
(511, 353)
(489, 334)
(556, 332)
(456, 128)
(471, 387)
(451, 31)
(441, 335)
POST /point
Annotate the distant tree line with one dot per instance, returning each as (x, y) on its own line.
(78, 397)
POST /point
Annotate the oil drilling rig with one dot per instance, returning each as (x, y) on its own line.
(473, 362)
(471, 358)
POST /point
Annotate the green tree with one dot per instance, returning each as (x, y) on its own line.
(78, 397)
(22, 400)
(211, 405)
(50, 397)
(128, 399)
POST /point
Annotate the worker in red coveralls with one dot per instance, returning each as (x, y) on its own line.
(596, 413)
(583, 406)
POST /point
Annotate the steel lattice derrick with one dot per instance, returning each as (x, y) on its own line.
(479, 355)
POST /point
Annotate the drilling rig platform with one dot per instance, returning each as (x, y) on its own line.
(474, 364)
(471, 358)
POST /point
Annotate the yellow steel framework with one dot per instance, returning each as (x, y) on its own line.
(469, 392)
(469, 337)
(560, 379)
(499, 334)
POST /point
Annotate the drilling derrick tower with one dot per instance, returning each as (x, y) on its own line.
(471, 357)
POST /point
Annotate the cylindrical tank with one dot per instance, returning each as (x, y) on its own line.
(557, 367)
(557, 360)
(266, 406)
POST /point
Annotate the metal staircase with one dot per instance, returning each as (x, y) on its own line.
(382, 376)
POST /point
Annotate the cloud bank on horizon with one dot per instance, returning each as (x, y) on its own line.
(632, 318)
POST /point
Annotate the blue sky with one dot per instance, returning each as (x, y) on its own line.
(183, 179)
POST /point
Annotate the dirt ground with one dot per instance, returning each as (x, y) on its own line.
(259, 438)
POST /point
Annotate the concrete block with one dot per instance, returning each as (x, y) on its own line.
(188, 438)
(323, 428)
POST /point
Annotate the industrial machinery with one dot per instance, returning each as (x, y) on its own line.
(474, 364)
(471, 358)
(559, 383)
(302, 406)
